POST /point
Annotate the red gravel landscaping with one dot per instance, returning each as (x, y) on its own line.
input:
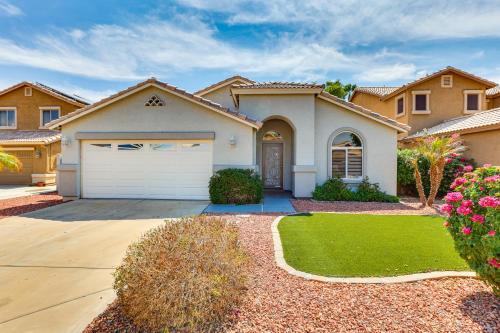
(407, 206)
(21, 205)
(279, 302)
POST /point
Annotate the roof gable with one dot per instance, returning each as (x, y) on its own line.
(226, 82)
(402, 128)
(449, 69)
(160, 85)
(80, 102)
(375, 91)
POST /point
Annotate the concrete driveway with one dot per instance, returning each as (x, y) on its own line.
(56, 263)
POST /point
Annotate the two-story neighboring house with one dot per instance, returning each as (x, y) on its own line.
(437, 101)
(24, 109)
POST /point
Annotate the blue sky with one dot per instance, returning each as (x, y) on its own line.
(94, 48)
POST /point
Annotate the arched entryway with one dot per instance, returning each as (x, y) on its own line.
(275, 154)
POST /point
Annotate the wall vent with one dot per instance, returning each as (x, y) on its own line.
(447, 81)
(154, 101)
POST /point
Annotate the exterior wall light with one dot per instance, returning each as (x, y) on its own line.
(65, 141)
(233, 141)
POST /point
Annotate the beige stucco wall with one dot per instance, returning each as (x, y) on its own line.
(374, 103)
(379, 144)
(483, 147)
(287, 133)
(130, 114)
(222, 95)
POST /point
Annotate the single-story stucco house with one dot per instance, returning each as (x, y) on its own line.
(156, 141)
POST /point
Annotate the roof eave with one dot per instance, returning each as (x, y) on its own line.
(275, 91)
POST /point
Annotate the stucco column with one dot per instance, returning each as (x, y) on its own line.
(304, 170)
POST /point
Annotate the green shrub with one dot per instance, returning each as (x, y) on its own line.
(455, 166)
(371, 192)
(235, 186)
(183, 276)
(474, 221)
(334, 189)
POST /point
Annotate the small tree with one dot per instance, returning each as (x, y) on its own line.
(9, 162)
(338, 89)
(436, 150)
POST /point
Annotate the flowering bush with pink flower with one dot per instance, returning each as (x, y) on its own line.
(473, 209)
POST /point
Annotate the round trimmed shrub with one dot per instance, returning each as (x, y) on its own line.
(235, 186)
(184, 276)
(473, 210)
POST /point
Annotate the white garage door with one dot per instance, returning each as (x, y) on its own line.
(146, 169)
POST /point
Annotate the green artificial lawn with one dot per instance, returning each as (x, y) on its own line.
(367, 245)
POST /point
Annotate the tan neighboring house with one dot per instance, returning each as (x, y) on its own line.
(437, 100)
(25, 108)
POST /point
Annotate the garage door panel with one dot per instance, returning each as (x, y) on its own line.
(158, 170)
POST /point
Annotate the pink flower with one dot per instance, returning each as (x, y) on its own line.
(467, 230)
(492, 233)
(487, 165)
(477, 218)
(455, 136)
(462, 210)
(468, 168)
(446, 224)
(493, 262)
(446, 208)
(454, 197)
(454, 155)
(460, 181)
(489, 201)
(492, 179)
(481, 188)
(467, 203)
(448, 160)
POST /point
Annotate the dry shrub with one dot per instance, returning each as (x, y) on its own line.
(184, 276)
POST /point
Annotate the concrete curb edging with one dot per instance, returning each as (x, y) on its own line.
(281, 263)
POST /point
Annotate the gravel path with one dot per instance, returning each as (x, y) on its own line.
(21, 205)
(405, 207)
(279, 302)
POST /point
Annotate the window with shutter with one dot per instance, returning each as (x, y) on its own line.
(347, 156)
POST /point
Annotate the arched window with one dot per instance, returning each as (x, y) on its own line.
(272, 136)
(347, 156)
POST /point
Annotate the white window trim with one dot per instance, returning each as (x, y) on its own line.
(10, 108)
(396, 106)
(421, 92)
(442, 81)
(48, 108)
(479, 94)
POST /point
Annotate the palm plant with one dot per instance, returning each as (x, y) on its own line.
(9, 162)
(436, 150)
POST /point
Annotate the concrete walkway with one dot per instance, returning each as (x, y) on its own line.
(16, 191)
(274, 202)
(56, 264)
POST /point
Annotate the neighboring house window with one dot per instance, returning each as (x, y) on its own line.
(400, 105)
(347, 156)
(472, 101)
(8, 117)
(421, 101)
(48, 114)
(447, 81)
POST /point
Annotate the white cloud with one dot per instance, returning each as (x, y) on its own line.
(163, 48)
(367, 20)
(389, 73)
(9, 9)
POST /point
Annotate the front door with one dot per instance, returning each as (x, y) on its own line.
(272, 165)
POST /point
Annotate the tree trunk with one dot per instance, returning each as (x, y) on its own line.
(420, 187)
(436, 175)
